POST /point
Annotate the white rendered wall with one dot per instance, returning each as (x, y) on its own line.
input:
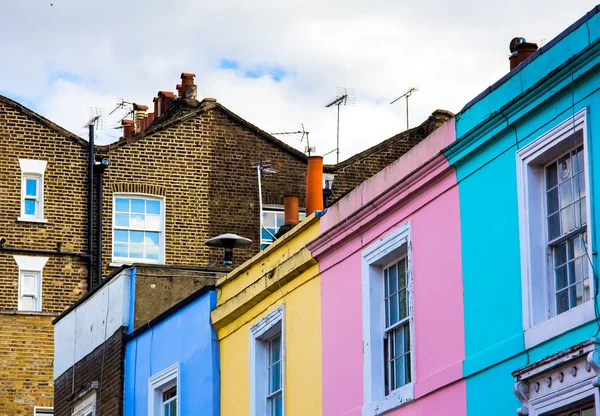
(91, 323)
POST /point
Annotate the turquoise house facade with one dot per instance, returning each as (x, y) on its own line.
(527, 158)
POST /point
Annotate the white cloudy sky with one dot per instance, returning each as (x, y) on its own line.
(275, 63)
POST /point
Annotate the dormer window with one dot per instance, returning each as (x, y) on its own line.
(32, 190)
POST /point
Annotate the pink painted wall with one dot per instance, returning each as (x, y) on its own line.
(438, 297)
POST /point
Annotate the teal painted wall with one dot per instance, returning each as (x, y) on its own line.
(547, 91)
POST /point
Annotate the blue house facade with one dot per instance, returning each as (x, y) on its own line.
(172, 363)
(528, 173)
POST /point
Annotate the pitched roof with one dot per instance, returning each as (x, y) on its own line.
(43, 120)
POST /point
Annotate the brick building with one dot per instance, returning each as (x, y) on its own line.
(180, 175)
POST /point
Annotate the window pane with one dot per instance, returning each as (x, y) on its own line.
(586, 289)
(269, 219)
(31, 187)
(277, 405)
(275, 349)
(137, 221)
(152, 207)
(136, 237)
(275, 377)
(565, 194)
(551, 176)
(579, 186)
(402, 273)
(399, 372)
(578, 162)
(152, 238)
(264, 235)
(393, 278)
(567, 219)
(398, 342)
(403, 305)
(120, 250)
(122, 205)
(152, 252)
(564, 167)
(138, 205)
(554, 226)
(28, 283)
(552, 201)
(30, 207)
(406, 329)
(407, 366)
(27, 304)
(280, 219)
(394, 310)
(562, 302)
(561, 277)
(385, 283)
(560, 254)
(136, 251)
(152, 222)
(121, 236)
(122, 220)
(580, 213)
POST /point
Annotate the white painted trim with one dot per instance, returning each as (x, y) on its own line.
(160, 382)
(84, 406)
(559, 324)
(257, 354)
(163, 216)
(532, 232)
(373, 259)
(32, 219)
(35, 265)
(33, 166)
(32, 169)
(46, 411)
(30, 263)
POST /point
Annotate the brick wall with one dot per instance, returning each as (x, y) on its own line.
(26, 341)
(102, 372)
(202, 166)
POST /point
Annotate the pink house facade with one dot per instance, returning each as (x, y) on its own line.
(392, 300)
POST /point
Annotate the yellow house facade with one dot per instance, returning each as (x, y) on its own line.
(268, 322)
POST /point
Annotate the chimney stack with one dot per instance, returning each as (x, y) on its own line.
(290, 210)
(180, 90)
(314, 184)
(128, 128)
(163, 100)
(140, 116)
(188, 88)
(520, 50)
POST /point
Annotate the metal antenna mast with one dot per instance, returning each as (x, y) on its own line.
(406, 94)
(345, 96)
(262, 167)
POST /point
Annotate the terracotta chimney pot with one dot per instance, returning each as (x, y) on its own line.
(522, 51)
(314, 184)
(128, 127)
(187, 78)
(290, 209)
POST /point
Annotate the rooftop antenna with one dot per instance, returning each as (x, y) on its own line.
(262, 168)
(307, 149)
(406, 95)
(123, 104)
(344, 96)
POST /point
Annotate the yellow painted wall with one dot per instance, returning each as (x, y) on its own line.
(301, 294)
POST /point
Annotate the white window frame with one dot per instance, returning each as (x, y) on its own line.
(43, 411)
(32, 169)
(30, 264)
(118, 261)
(85, 406)
(158, 384)
(538, 326)
(260, 334)
(390, 248)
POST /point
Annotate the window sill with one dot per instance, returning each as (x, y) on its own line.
(119, 263)
(18, 312)
(553, 327)
(397, 398)
(32, 219)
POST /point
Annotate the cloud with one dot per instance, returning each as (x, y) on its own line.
(273, 64)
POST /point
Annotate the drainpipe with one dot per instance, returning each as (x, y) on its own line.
(90, 248)
(99, 183)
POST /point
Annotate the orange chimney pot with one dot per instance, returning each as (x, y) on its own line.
(290, 209)
(314, 184)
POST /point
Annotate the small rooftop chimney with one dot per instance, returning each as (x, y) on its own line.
(290, 210)
(188, 88)
(128, 128)
(180, 90)
(163, 99)
(520, 50)
(140, 116)
(314, 184)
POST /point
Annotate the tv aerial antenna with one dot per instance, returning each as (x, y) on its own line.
(123, 104)
(406, 95)
(303, 134)
(344, 96)
(262, 168)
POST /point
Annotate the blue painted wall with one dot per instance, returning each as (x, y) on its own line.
(187, 338)
(514, 112)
